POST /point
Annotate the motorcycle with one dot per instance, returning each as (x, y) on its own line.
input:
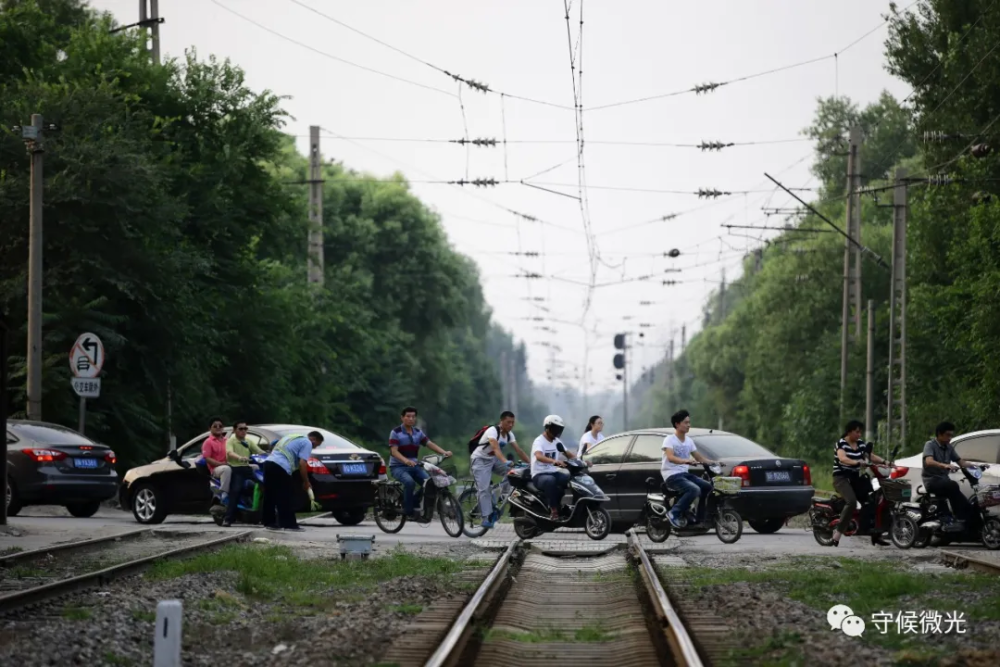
(877, 512)
(250, 497)
(726, 521)
(930, 517)
(531, 513)
(434, 494)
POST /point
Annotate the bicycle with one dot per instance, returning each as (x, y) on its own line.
(469, 502)
(388, 507)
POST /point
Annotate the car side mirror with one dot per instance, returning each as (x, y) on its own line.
(174, 455)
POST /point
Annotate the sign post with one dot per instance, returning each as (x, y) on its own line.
(86, 359)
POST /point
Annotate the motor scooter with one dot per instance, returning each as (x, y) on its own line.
(531, 513)
(720, 514)
(250, 497)
(435, 495)
(931, 517)
(874, 518)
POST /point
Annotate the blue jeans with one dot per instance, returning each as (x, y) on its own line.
(690, 487)
(552, 485)
(411, 478)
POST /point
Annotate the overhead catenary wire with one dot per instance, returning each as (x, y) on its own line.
(471, 83)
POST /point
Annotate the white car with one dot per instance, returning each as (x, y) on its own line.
(975, 447)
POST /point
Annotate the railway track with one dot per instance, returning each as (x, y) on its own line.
(31, 577)
(553, 608)
(964, 560)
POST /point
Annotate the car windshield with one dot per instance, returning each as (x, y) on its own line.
(49, 435)
(330, 440)
(721, 446)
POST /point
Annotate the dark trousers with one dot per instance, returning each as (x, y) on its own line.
(412, 479)
(853, 489)
(237, 480)
(279, 494)
(689, 487)
(552, 485)
(948, 488)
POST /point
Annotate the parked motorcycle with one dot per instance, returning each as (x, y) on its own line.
(720, 515)
(876, 514)
(250, 496)
(435, 494)
(931, 517)
(531, 513)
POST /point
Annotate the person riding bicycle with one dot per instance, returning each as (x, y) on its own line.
(678, 450)
(405, 442)
(851, 453)
(546, 454)
(489, 459)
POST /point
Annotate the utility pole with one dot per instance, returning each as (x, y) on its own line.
(504, 382)
(896, 398)
(33, 137)
(722, 297)
(3, 411)
(683, 337)
(315, 209)
(870, 384)
(670, 365)
(512, 374)
(851, 305)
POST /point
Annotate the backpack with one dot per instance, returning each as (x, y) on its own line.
(474, 442)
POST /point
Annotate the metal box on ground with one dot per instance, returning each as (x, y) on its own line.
(355, 546)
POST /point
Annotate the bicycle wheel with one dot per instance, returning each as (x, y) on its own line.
(388, 509)
(469, 502)
(450, 513)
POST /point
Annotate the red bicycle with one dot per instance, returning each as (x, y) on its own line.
(824, 515)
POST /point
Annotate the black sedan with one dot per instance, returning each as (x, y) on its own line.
(773, 489)
(341, 474)
(48, 464)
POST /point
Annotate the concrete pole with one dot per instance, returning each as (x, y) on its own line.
(870, 385)
(315, 259)
(35, 245)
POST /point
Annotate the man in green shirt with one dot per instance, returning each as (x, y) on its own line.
(238, 451)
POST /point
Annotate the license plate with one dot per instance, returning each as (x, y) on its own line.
(778, 476)
(85, 463)
(354, 469)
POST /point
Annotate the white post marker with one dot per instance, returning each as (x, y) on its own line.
(86, 359)
(167, 641)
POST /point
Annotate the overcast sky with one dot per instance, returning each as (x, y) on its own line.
(630, 50)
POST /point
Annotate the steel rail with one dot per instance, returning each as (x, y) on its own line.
(680, 641)
(69, 546)
(58, 588)
(962, 560)
(450, 648)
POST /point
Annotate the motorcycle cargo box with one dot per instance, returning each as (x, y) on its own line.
(896, 490)
(727, 485)
(989, 496)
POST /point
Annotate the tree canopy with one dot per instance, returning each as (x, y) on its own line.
(173, 229)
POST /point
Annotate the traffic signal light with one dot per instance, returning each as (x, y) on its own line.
(619, 341)
(619, 361)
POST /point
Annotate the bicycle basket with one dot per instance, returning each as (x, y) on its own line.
(896, 490)
(989, 496)
(727, 485)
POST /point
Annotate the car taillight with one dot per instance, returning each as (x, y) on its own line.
(316, 467)
(44, 455)
(110, 457)
(898, 472)
(743, 473)
(807, 476)
(381, 469)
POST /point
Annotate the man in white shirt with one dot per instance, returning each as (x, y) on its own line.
(678, 450)
(489, 459)
(546, 461)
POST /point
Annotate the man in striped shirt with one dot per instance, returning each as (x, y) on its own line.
(848, 458)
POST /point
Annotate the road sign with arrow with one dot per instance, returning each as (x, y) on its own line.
(86, 358)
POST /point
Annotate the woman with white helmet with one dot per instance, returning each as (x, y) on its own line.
(545, 460)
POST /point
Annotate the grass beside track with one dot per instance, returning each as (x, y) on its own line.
(276, 574)
(867, 587)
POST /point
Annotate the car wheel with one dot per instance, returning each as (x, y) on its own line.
(148, 505)
(13, 504)
(83, 510)
(350, 517)
(767, 526)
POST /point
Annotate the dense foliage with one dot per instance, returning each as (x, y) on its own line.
(174, 229)
(770, 368)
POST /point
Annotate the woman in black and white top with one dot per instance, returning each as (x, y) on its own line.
(850, 454)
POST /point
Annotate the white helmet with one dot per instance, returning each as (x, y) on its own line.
(554, 423)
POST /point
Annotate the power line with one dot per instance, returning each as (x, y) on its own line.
(711, 87)
(471, 83)
(329, 55)
(705, 146)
